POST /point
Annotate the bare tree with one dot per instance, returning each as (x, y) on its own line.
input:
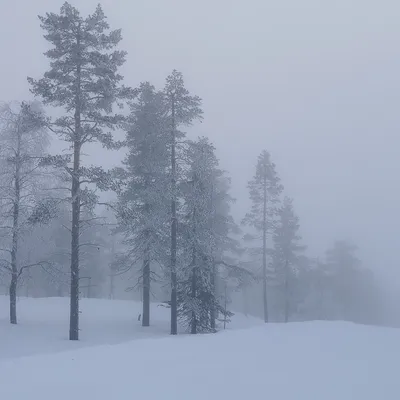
(23, 142)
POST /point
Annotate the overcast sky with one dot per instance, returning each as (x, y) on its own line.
(314, 82)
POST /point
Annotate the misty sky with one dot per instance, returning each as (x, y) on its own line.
(314, 82)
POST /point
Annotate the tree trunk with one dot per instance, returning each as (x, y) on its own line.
(174, 301)
(193, 330)
(15, 235)
(226, 303)
(213, 315)
(76, 206)
(245, 302)
(111, 290)
(146, 289)
(286, 291)
(74, 300)
(13, 298)
(265, 300)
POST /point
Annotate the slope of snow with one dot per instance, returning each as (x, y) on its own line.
(304, 361)
(43, 325)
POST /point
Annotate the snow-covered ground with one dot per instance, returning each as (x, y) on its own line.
(43, 325)
(299, 361)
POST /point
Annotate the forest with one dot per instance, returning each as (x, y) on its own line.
(159, 227)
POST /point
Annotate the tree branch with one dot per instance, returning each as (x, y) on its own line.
(40, 263)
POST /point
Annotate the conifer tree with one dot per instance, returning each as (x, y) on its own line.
(83, 80)
(143, 211)
(286, 252)
(265, 189)
(181, 109)
(202, 231)
(344, 269)
(194, 289)
(226, 247)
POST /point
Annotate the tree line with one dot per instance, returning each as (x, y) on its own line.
(171, 220)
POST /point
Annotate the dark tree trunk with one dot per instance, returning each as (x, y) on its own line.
(76, 205)
(146, 289)
(226, 303)
(15, 235)
(174, 222)
(214, 294)
(74, 300)
(265, 300)
(213, 269)
(193, 328)
(13, 298)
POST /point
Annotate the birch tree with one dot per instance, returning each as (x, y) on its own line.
(181, 109)
(265, 189)
(83, 81)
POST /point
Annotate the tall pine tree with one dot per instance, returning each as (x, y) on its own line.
(181, 109)
(265, 189)
(286, 253)
(83, 80)
(204, 229)
(143, 211)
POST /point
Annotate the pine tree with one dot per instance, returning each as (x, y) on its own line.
(194, 288)
(265, 189)
(83, 80)
(181, 109)
(286, 252)
(226, 248)
(344, 270)
(198, 238)
(206, 241)
(143, 211)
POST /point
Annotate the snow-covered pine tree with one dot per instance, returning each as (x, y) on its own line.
(226, 249)
(83, 80)
(265, 190)
(286, 253)
(196, 293)
(181, 109)
(144, 211)
(206, 240)
(23, 141)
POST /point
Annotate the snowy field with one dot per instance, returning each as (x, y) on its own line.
(299, 361)
(43, 325)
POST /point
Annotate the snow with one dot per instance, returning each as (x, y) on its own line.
(43, 324)
(298, 361)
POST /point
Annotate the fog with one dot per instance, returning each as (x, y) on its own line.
(315, 83)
